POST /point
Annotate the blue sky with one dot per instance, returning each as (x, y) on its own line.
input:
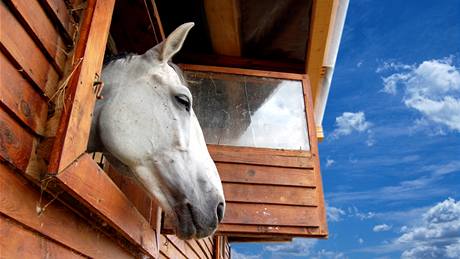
(391, 159)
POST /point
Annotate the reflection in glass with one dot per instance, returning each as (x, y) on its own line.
(249, 111)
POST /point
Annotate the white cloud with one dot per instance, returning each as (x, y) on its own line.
(431, 88)
(326, 254)
(334, 214)
(297, 247)
(381, 228)
(237, 255)
(360, 240)
(349, 122)
(438, 234)
(329, 162)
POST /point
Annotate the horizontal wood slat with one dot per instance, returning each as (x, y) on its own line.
(18, 200)
(266, 194)
(42, 30)
(261, 156)
(16, 143)
(20, 97)
(28, 57)
(84, 180)
(274, 215)
(242, 173)
(268, 232)
(23, 243)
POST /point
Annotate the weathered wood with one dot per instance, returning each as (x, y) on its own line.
(261, 156)
(75, 127)
(60, 15)
(28, 58)
(241, 71)
(270, 194)
(315, 155)
(18, 242)
(19, 200)
(268, 232)
(42, 30)
(273, 215)
(223, 19)
(20, 98)
(242, 173)
(84, 180)
(16, 143)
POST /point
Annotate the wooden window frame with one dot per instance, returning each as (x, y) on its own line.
(75, 170)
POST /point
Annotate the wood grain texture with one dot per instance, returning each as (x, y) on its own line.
(16, 144)
(42, 31)
(261, 156)
(274, 215)
(315, 155)
(20, 98)
(268, 232)
(270, 194)
(76, 126)
(18, 200)
(241, 71)
(242, 173)
(85, 181)
(171, 243)
(223, 19)
(23, 243)
(60, 16)
(15, 40)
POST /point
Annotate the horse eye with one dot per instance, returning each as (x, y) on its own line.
(183, 100)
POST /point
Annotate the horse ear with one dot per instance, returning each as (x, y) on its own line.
(174, 42)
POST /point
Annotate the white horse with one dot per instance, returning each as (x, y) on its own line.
(145, 125)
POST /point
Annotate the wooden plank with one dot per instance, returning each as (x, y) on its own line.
(16, 144)
(75, 126)
(85, 181)
(18, 200)
(20, 97)
(261, 156)
(28, 57)
(242, 173)
(182, 246)
(274, 215)
(269, 232)
(288, 66)
(322, 13)
(23, 243)
(42, 30)
(60, 15)
(168, 249)
(308, 99)
(196, 248)
(224, 24)
(207, 244)
(270, 194)
(241, 71)
(133, 191)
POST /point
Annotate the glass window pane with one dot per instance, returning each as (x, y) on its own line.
(249, 111)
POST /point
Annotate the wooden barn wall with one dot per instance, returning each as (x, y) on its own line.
(36, 42)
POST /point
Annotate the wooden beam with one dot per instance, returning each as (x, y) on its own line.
(89, 184)
(224, 26)
(323, 12)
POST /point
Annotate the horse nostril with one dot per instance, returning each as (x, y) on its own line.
(220, 211)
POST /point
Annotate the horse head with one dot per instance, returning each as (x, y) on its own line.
(146, 126)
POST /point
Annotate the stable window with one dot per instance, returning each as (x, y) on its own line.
(250, 111)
